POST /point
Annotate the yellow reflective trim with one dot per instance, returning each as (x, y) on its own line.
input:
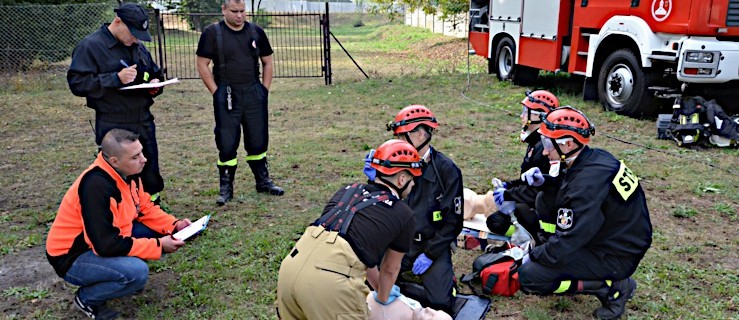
(683, 119)
(146, 76)
(437, 216)
(694, 118)
(454, 292)
(256, 156)
(609, 282)
(547, 227)
(510, 231)
(625, 181)
(229, 163)
(154, 196)
(563, 286)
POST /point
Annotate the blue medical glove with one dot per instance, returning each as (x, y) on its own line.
(421, 264)
(498, 196)
(394, 294)
(533, 177)
(370, 172)
(497, 183)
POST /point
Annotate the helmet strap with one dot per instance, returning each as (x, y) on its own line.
(563, 155)
(425, 142)
(398, 191)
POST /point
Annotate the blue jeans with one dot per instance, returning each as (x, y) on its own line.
(104, 278)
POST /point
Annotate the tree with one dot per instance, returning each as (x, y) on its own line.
(445, 7)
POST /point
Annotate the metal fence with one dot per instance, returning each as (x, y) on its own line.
(35, 36)
(296, 38)
(40, 35)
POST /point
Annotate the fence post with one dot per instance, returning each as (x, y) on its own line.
(160, 41)
(326, 47)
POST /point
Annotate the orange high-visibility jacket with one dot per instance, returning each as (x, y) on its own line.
(97, 213)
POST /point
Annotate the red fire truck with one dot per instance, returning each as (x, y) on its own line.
(629, 52)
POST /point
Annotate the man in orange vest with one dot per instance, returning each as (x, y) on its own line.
(107, 226)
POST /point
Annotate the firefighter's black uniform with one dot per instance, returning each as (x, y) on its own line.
(436, 200)
(603, 227)
(324, 274)
(242, 50)
(525, 196)
(93, 74)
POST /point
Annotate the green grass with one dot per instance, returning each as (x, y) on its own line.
(318, 137)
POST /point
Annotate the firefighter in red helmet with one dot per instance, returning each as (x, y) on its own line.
(427, 273)
(535, 107)
(603, 227)
(364, 231)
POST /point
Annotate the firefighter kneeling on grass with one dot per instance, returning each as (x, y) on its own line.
(603, 226)
(363, 226)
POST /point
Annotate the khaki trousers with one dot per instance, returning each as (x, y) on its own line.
(322, 278)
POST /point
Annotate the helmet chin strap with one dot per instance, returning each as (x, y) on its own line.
(398, 191)
(565, 156)
(526, 133)
(425, 142)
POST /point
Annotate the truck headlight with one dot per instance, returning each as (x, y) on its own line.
(699, 56)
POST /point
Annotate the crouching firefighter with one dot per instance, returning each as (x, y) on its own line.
(603, 226)
(427, 274)
(535, 106)
(363, 233)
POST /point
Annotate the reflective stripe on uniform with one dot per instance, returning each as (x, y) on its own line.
(510, 231)
(437, 216)
(230, 163)
(563, 286)
(547, 227)
(256, 156)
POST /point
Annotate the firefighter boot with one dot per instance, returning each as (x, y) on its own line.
(261, 176)
(614, 303)
(227, 175)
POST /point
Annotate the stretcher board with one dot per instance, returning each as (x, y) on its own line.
(476, 227)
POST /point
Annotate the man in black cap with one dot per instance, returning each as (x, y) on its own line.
(110, 58)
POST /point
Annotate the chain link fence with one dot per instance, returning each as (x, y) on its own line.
(39, 35)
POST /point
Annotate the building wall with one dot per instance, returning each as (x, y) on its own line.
(454, 26)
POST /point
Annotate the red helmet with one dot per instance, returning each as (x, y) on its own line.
(540, 100)
(567, 122)
(410, 117)
(396, 155)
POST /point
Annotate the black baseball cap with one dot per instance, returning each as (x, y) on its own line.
(137, 20)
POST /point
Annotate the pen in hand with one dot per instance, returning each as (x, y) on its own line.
(127, 74)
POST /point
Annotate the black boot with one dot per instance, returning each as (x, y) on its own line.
(227, 175)
(261, 176)
(614, 303)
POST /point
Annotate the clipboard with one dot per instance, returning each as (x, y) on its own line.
(151, 85)
(193, 229)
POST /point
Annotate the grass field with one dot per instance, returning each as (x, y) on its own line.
(318, 137)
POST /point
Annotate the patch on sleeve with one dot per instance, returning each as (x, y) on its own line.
(625, 181)
(565, 218)
(458, 205)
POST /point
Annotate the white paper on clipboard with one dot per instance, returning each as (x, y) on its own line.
(192, 229)
(151, 85)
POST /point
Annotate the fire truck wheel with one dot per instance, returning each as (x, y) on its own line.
(505, 56)
(622, 86)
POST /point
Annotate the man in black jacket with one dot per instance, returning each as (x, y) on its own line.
(603, 226)
(111, 58)
(427, 272)
(535, 107)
